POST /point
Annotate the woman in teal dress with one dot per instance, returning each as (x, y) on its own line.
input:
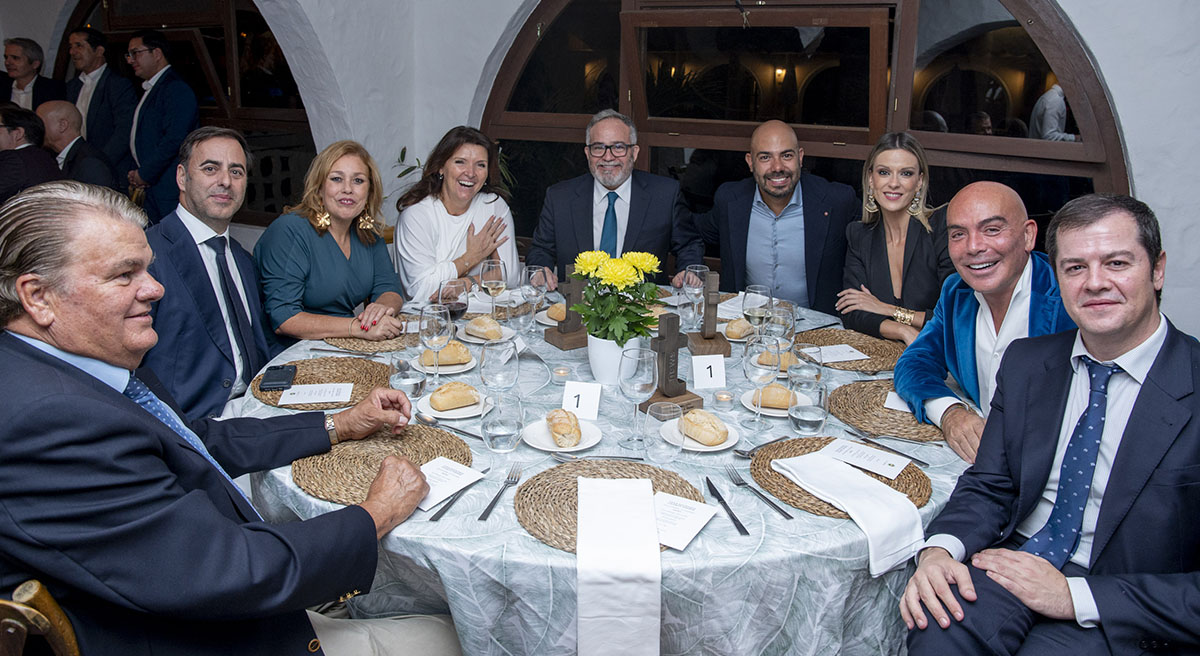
(324, 257)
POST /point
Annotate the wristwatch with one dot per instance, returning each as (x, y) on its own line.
(331, 428)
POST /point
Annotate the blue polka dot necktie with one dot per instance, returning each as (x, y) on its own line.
(608, 237)
(1059, 538)
(137, 391)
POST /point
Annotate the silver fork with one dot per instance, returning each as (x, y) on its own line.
(737, 480)
(749, 453)
(567, 457)
(514, 475)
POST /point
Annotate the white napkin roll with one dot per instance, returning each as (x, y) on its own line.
(887, 517)
(618, 568)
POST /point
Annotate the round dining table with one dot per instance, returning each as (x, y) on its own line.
(798, 586)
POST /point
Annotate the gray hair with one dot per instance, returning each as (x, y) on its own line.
(31, 48)
(606, 114)
(36, 227)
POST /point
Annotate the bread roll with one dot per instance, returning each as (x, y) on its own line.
(564, 427)
(557, 312)
(453, 395)
(774, 396)
(738, 329)
(484, 328)
(455, 353)
(704, 427)
(786, 361)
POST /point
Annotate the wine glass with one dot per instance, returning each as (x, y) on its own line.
(535, 283)
(499, 367)
(453, 294)
(756, 304)
(660, 450)
(780, 322)
(760, 363)
(436, 329)
(493, 279)
(638, 380)
(693, 289)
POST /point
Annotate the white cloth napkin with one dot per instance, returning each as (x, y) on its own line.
(887, 517)
(618, 568)
(481, 303)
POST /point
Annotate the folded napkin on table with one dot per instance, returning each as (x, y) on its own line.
(732, 309)
(480, 303)
(618, 569)
(888, 517)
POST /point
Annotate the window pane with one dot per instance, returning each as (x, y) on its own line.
(266, 80)
(574, 68)
(280, 161)
(535, 165)
(978, 72)
(811, 75)
(214, 42)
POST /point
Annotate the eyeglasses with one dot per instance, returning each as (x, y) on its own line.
(618, 149)
(135, 52)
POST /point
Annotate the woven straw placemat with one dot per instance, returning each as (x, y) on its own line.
(911, 481)
(883, 352)
(861, 405)
(367, 346)
(365, 375)
(501, 314)
(344, 474)
(547, 504)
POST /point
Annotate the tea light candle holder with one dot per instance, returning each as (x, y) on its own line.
(559, 375)
(722, 400)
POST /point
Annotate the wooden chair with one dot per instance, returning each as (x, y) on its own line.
(33, 611)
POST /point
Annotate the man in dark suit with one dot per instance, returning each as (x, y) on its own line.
(23, 161)
(76, 157)
(212, 335)
(165, 115)
(614, 208)
(127, 512)
(104, 97)
(781, 227)
(23, 61)
(1076, 513)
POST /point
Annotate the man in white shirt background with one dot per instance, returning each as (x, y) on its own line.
(77, 158)
(104, 98)
(23, 61)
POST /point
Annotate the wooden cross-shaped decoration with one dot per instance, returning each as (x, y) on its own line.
(710, 341)
(666, 346)
(569, 334)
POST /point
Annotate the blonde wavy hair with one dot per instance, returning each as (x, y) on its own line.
(310, 205)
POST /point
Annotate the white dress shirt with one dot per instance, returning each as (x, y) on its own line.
(62, 154)
(990, 344)
(89, 80)
(24, 97)
(147, 85)
(600, 208)
(202, 233)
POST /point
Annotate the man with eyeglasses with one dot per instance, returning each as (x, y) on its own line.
(23, 61)
(614, 208)
(163, 118)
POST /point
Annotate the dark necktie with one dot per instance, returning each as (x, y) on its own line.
(608, 238)
(233, 304)
(137, 391)
(1059, 538)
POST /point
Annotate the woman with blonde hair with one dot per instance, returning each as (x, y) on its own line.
(896, 257)
(324, 257)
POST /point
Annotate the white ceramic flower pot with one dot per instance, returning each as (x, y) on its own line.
(604, 356)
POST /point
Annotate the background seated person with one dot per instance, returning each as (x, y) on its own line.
(896, 257)
(325, 256)
(451, 220)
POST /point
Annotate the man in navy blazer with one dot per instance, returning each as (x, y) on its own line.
(23, 161)
(647, 211)
(201, 356)
(23, 60)
(165, 115)
(1076, 514)
(104, 97)
(126, 512)
(76, 157)
(1001, 291)
(798, 246)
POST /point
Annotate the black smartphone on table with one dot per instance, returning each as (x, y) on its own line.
(277, 377)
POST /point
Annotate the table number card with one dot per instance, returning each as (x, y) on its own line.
(862, 456)
(709, 371)
(679, 519)
(325, 393)
(445, 477)
(582, 398)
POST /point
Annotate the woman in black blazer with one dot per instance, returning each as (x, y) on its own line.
(896, 257)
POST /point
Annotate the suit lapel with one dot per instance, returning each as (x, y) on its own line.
(880, 280)
(581, 211)
(97, 97)
(639, 204)
(965, 307)
(1044, 413)
(737, 213)
(816, 225)
(185, 259)
(911, 241)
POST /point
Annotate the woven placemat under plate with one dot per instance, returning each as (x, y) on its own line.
(911, 481)
(367, 346)
(365, 375)
(547, 504)
(344, 474)
(883, 353)
(861, 405)
(501, 315)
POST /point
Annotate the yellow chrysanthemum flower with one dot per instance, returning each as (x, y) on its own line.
(618, 273)
(588, 262)
(644, 262)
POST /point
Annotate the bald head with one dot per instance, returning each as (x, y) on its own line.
(990, 237)
(774, 160)
(63, 123)
(993, 196)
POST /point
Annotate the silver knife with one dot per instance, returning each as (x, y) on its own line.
(464, 433)
(457, 495)
(911, 441)
(712, 489)
(918, 461)
(567, 457)
(347, 354)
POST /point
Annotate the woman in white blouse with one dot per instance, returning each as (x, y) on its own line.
(451, 220)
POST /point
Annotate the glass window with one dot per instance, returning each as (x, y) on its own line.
(266, 80)
(535, 165)
(575, 67)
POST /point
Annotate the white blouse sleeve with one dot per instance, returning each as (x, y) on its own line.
(422, 267)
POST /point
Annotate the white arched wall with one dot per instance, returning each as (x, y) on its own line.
(396, 73)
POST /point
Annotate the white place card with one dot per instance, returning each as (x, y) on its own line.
(840, 353)
(445, 477)
(582, 398)
(679, 519)
(894, 402)
(674, 300)
(862, 456)
(520, 344)
(324, 393)
(709, 371)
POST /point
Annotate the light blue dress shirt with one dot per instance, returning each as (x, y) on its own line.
(775, 249)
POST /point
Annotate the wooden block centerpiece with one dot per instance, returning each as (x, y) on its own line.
(709, 341)
(569, 334)
(666, 346)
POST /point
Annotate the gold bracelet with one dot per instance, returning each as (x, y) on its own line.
(903, 315)
(350, 328)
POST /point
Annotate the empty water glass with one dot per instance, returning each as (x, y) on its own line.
(809, 409)
(502, 424)
(807, 368)
(659, 450)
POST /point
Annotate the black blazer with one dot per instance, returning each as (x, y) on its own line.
(926, 265)
(86, 164)
(659, 223)
(828, 208)
(24, 167)
(109, 119)
(45, 89)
